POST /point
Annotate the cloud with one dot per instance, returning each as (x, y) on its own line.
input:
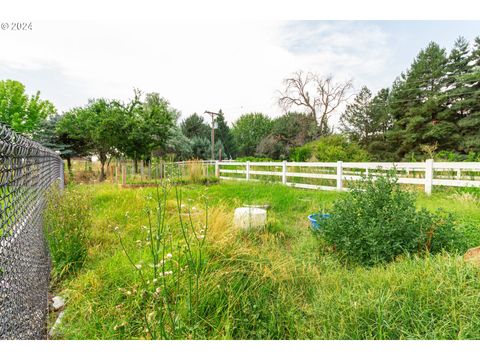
(197, 65)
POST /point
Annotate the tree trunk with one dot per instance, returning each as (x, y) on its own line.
(103, 160)
(69, 164)
(135, 161)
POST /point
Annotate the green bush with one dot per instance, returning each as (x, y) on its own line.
(301, 154)
(67, 226)
(331, 148)
(378, 221)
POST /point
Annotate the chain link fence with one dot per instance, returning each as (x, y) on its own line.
(27, 171)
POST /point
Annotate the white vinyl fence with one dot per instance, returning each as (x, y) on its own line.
(337, 176)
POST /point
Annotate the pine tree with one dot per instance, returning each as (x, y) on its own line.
(224, 135)
(47, 136)
(356, 121)
(417, 101)
(456, 89)
(470, 104)
(195, 126)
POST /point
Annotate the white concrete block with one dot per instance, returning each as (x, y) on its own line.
(249, 218)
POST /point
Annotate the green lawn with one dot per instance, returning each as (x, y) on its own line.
(279, 283)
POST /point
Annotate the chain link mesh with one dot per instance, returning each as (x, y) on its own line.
(27, 171)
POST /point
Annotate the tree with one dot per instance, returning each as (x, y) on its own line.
(356, 121)
(148, 126)
(224, 135)
(99, 125)
(321, 96)
(46, 134)
(21, 112)
(457, 87)
(249, 130)
(418, 103)
(194, 125)
(470, 104)
(288, 131)
(379, 111)
(201, 148)
(179, 144)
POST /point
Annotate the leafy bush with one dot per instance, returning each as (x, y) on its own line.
(67, 226)
(377, 221)
(301, 154)
(330, 149)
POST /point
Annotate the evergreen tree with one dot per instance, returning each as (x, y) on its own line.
(195, 126)
(470, 103)
(225, 136)
(379, 111)
(47, 135)
(356, 121)
(418, 102)
(456, 90)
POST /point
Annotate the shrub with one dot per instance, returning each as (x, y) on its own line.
(330, 149)
(67, 226)
(377, 221)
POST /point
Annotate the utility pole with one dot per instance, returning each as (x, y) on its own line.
(212, 114)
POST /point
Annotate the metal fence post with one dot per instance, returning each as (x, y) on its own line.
(284, 172)
(339, 176)
(62, 175)
(428, 176)
(248, 171)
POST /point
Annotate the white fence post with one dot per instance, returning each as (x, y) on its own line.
(217, 169)
(284, 172)
(428, 176)
(248, 171)
(339, 176)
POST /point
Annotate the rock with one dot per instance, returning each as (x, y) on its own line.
(57, 303)
(247, 218)
(473, 256)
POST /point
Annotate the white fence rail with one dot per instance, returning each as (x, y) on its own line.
(335, 175)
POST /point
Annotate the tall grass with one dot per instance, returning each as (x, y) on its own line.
(195, 171)
(67, 227)
(174, 268)
(277, 283)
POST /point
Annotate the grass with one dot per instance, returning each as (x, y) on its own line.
(278, 283)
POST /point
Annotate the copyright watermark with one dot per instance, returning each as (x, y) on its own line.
(16, 26)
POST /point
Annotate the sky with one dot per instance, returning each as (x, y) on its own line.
(236, 66)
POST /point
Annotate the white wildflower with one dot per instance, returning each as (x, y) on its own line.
(138, 266)
(169, 256)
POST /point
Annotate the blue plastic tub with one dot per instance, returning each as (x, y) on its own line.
(317, 219)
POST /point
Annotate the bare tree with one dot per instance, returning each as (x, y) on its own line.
(320, 95)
